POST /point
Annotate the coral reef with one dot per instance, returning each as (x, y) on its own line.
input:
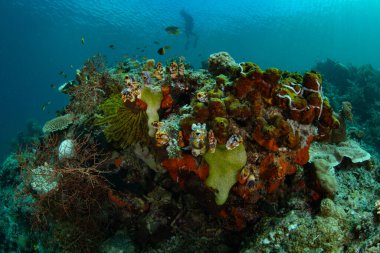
(358, 85)
(342, 225)
(158, 157)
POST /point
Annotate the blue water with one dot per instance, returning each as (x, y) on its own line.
(40, 38)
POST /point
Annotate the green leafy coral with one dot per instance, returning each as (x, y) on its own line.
(123, 127)
(224, 166)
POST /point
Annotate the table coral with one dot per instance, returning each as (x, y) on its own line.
(58, 123)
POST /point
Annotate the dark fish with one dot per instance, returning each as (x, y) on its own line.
(112, 46)
(173, 30)
(82, 40)
(53, 86)
(167, 47)
(142, 50)
(63, 74)
(161, 51)
(44, 106)
(156, 42)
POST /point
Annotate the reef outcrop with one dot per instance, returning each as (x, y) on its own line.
(160, 148)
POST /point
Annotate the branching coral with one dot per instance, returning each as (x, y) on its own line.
(123, 127)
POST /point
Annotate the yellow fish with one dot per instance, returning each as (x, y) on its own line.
(82, 40)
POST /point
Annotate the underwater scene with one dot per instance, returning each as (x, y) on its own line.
(190, 126)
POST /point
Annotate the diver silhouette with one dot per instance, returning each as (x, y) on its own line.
(189, 25)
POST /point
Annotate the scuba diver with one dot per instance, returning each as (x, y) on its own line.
(189, 25)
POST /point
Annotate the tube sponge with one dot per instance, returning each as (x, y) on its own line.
(224, 166)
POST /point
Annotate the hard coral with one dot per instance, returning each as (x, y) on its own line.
(223, 63)
(58, 123)
(325, 157)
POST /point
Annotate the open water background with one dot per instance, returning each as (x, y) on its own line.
(40, 38)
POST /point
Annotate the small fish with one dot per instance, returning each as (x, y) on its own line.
(156, 42)
(44, 106)
(167, 47)
(82, 40)
(142, 50)
(161, 51)
(53, 86)
(173, 30)
(112, 46)
(71, 66)
(63, 74)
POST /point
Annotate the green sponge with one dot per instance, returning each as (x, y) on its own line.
(224, 165)
(152, 97)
